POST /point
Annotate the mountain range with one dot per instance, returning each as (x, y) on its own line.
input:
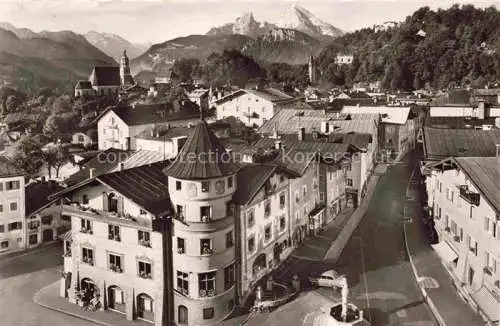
(113, 45)
(297, 35)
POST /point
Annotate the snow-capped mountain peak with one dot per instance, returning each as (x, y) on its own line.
(299, 18)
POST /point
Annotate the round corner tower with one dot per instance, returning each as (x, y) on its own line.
(202, 181)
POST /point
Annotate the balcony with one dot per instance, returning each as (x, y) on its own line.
(207, 293)
(75, 209)
(469, 196)
(208, 225)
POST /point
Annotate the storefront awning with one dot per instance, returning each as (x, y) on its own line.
(445, 251)
(488, 303)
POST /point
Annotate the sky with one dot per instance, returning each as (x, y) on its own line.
(154, 21)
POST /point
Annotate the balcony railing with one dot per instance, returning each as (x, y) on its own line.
(469, 196)
(102, 216)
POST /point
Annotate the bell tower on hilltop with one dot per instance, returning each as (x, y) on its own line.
(125, 76)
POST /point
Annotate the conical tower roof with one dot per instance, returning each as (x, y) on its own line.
(202, 157)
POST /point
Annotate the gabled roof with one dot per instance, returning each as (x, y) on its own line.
(268, 93)
(389, 114)
(147, 186)
(37, 196)
(442, 143)
(202, 156)
(105, 76)
(251, 178)
(83, 84)
(484, 172)
(9, 169)
(101, 163)
(140, 114)
(139, 158)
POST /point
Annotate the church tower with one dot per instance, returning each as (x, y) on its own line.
(312, 71)
(125, 76)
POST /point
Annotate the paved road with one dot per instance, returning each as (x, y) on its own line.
(20, 278)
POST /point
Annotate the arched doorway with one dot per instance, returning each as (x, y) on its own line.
(116, 300)
(47, 235)
(182, 315)
(145, 307)
(259, 263)
(88, 290)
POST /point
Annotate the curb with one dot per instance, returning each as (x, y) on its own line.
(428, 299)
(74, 315)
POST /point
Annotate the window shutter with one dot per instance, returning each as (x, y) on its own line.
(104, 202)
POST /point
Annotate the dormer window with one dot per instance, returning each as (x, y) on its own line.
(205, 186)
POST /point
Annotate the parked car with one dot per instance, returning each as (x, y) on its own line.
(325, 279)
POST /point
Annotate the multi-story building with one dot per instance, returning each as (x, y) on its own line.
(202, 181)
(252, 106)
(464, 194)
(44, 221)
(12, 207)
(115, 255)
(263, 229)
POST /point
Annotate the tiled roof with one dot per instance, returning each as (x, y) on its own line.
(37, 195)
(389, 114)
(286, 122)
(146, 185)
(155, 113)
(101, 163)
(484, 172)
(83, 84)
(202, 156)
(139, 158)
(251, 178)
(163, 132)
(8, 169)
(442, 143)
(106, 76)
(271, 94)
(356, 139)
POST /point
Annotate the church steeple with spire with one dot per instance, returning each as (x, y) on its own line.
(125, 76)
(312, 71)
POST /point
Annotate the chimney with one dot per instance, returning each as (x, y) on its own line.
(301, 133)
(91, 172)
(325, 127)
(277, 144)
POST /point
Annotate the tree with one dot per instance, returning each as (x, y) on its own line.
(60, 126)
(28, 155)
(62, 104)
(56, 156)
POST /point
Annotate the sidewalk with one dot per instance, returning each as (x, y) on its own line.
(444, 301)
(348, 229)
(49, 298)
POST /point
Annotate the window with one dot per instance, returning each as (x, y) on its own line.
(47, 220)
(494, 229)
(486, 223)
(230, 182)
(1, 186)
(282, 200)
(144, 238)
(472, 245)
(180, 212)
(321, 196)
(142, 212)
(206, 284)
(304, 190)
(145, 270)
(205, 186)
(1, 208)
(2, 228)
(229, 209)
(282, 178)
(251, 244)
(208, 313)
(267, 232)
(15, 226)
(461, 235)
(86, 226)
(183, 282)
(472, 212)
(250, 218)
(88, 256)
(490, 263)
(206, 246)
(282, 223)
(454, 227)
(349, 167)
(178, 185)
(114, 232)
(229, 239)
(349, 182)
(206, 213)
(229, 278)
(181, 245)
(297, 199)
(13, 206)
(4, 244)
(115, 263)
(81, 139)
(65, 217)
(446, 221)
(267, 208)
(12, 185)
(315, 184)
